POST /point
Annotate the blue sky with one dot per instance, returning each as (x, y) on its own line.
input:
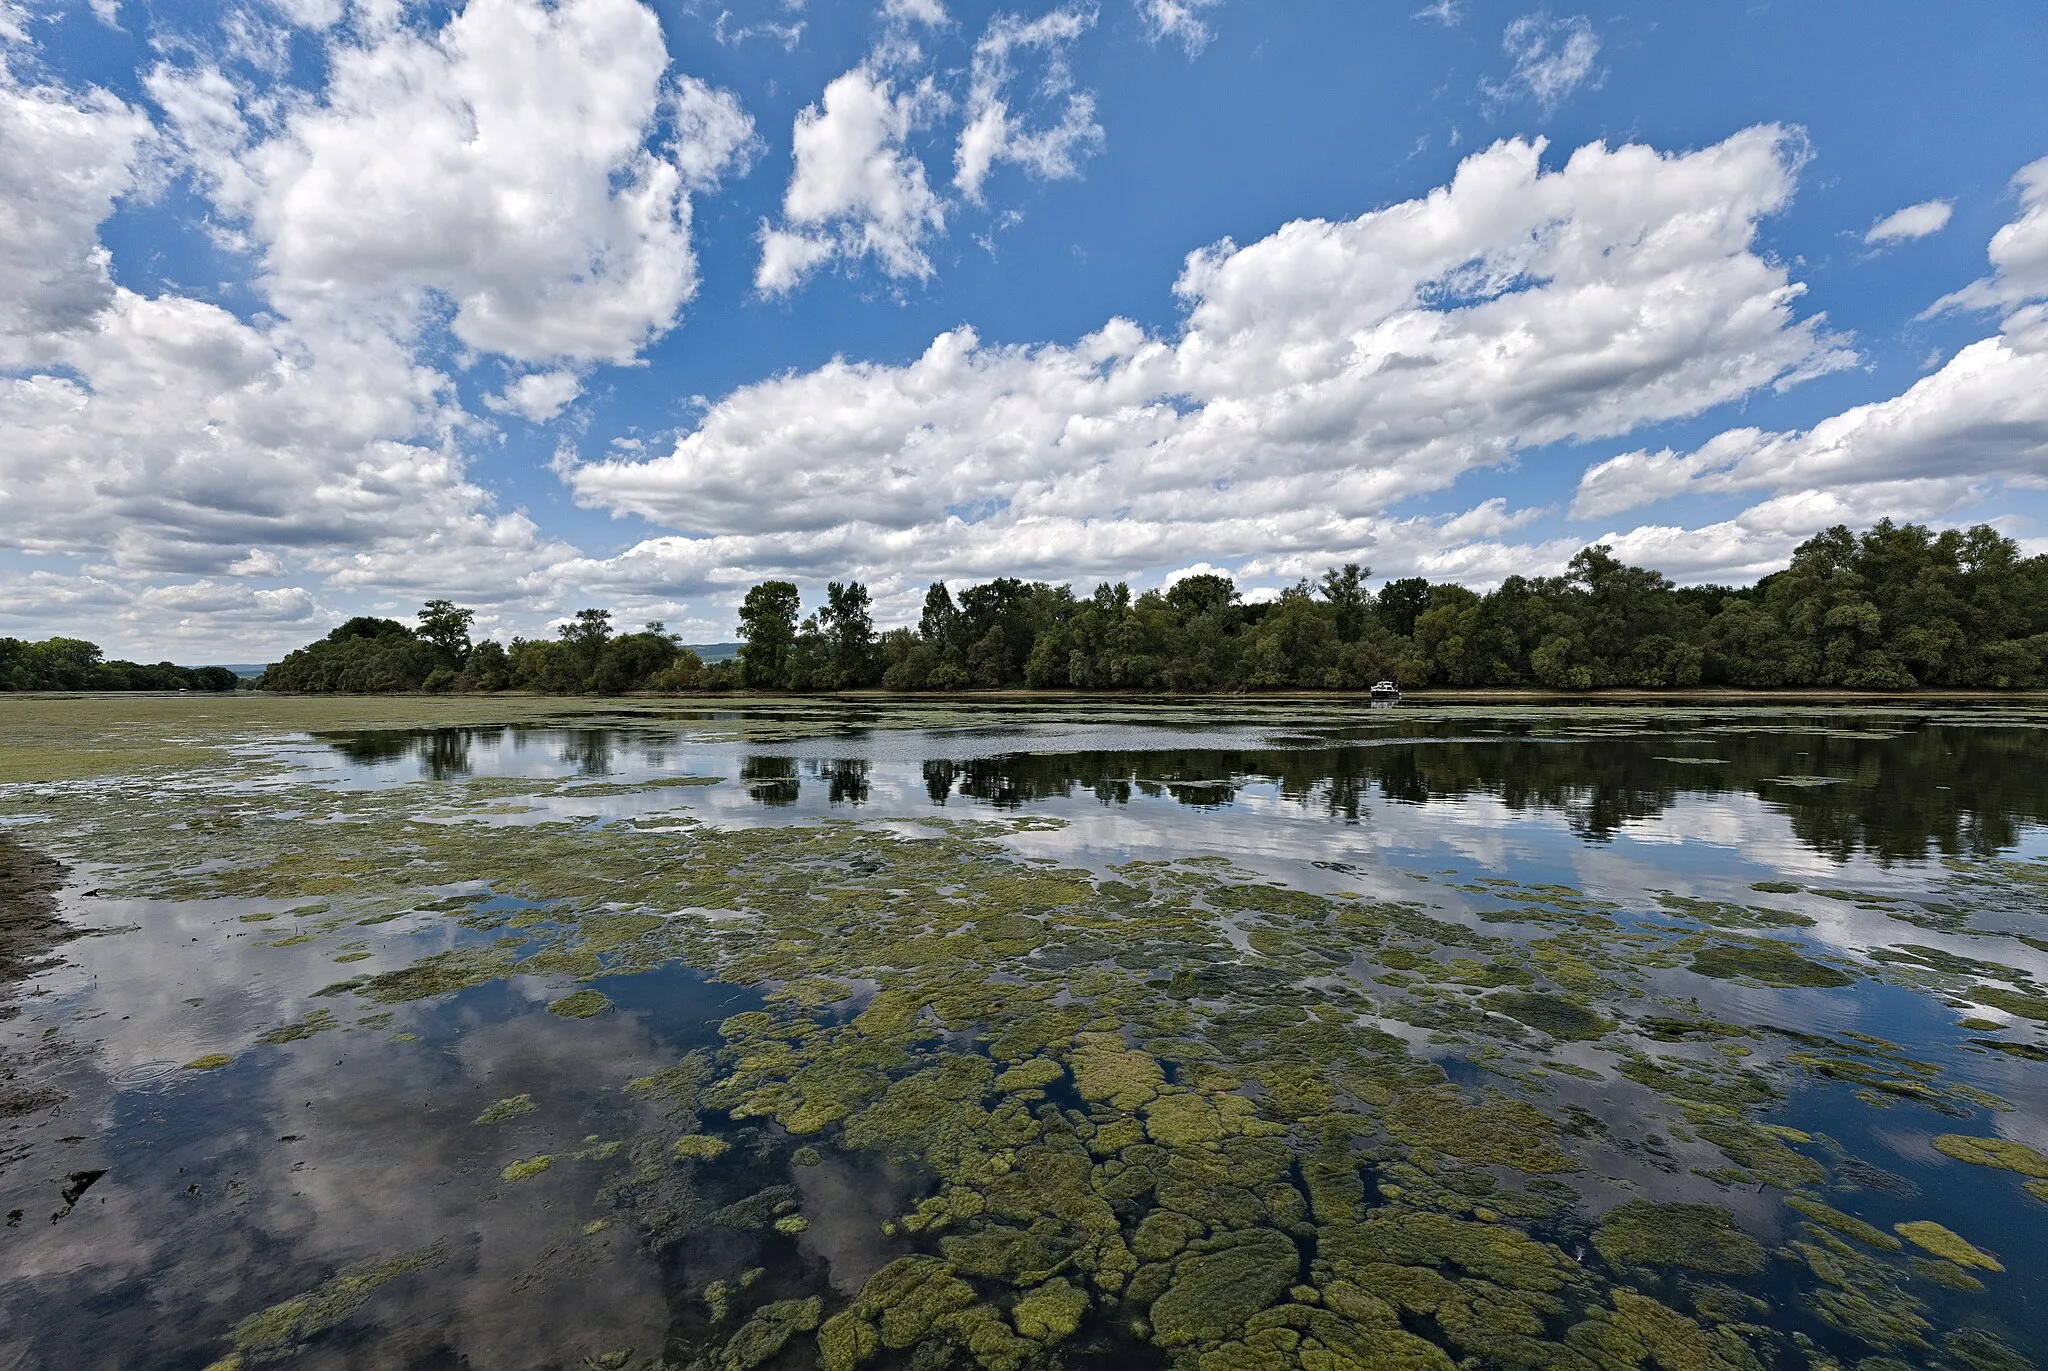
(316, 307)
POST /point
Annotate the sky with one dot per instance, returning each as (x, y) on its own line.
(313, 308)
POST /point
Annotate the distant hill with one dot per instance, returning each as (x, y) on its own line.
(715, 652)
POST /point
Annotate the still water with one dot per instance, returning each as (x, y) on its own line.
(1077, 1036)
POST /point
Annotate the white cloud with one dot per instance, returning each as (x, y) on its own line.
(500, 162)
(1449, 13)
(522, 172)
(64, 159)
(2019, 251)
(1923, 220)
(310, 14)
(259, 562)
(994, 133)
(928, 12)
(1950, 441)
(538, 396)
(1983, 416)
(1553, 57)
(857, 189)
(189, 621)
(1177, 20)
(1323, 373)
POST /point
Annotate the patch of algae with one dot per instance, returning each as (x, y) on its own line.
(1132, 1128)
(583, 1004)
(1948, 1245)
(527, 1169)
(212, 1061)
(511, 1107)
(1698, 1237)
(280, 1331)
(1767, 963)
(1828, 1216)
(700, 1147)
(2002, 1153)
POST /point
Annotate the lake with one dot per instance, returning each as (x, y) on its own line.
(1221, 1034)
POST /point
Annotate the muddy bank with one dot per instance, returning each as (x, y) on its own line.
(30, 930)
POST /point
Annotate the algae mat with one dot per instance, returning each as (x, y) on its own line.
(781, 1033)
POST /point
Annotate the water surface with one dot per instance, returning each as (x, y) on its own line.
(1063, 1034)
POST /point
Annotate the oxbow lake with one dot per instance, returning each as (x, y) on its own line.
(1218, 1035)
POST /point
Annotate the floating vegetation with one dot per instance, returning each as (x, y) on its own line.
(212, 1061)
(1698, 1237)
(1927, 1234)
(282, 1330)
(700, 1147)
(527, 1169)
(2002, 1153)
(583, 1004)
(1767, 963)
(1053, 1107)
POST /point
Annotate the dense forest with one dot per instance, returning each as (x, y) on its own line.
(1896, 607)
(75, 664)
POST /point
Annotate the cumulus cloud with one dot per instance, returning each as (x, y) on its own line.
(930, 13)
(522, 172)
(538, 396)
(1948, 441)
(1178, 21)
(1983, 416)
(501, 162)
(857, 189)
(1553, 57)
(2019, 251)
(1323, 373)
(1923, 220)
(65, 158)
(994, 133)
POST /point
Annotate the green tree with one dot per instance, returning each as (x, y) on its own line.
(848, 625)
(444, 626)
(768, 628)
(1344, 590)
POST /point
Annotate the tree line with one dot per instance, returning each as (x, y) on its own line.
(75, 664)
(1896, 607)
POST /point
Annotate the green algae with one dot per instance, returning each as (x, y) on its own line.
(511, 1107)
(583, 1004)
(1563, 1019)
(1187, 1056)
(767, 1331)
(1697, 1237)
(1214, 1291)
(1767, 963)
(212, 1061)
(1830, 1217)
(527, 1169)
(2002, 1153)
(1504, 1132)
(1951, 1246)
(284, 1328)
(315, 1021)
(1050, 1312)
(1945, 1273)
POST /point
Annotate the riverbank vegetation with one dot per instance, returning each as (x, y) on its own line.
(1897, 607)
(75, 664)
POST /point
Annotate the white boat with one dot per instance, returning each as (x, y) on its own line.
(1387, 691)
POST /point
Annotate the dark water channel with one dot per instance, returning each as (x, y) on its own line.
(342, 1188)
